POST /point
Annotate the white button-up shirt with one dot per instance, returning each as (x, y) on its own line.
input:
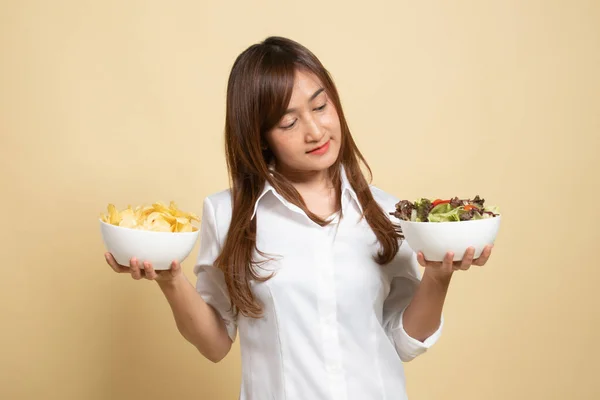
(332, 325)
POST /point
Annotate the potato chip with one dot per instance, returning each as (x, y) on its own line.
(113, 214)
(128, 219)
(156, 217)
(183, 225)
(157, 222)
(179, 213)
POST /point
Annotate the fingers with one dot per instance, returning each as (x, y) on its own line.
(436, 264)
(134, 266)
(110, 260)
(175, 267)
(139, 270)
(448, 265)
(482, 259)
(421, 260)
(445, 265)
(467, 260)
(149, 271)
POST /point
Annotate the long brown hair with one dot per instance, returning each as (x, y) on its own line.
(258, 92)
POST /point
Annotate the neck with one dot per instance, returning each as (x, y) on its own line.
(307, 180)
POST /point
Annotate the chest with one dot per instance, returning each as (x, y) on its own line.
(322, 204)
(308, 260)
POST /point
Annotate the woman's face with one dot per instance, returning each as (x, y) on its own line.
(307, 138)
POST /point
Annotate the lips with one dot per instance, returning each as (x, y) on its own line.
(320, 148)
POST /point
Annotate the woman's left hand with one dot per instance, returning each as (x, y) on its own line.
(447, 266)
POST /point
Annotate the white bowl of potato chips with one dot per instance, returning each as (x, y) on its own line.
(154, 233)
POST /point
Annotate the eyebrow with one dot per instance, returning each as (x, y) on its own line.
(314, 95)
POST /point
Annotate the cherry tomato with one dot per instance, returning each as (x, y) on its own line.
(439, 201)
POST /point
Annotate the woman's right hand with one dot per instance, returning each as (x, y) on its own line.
(144, 270)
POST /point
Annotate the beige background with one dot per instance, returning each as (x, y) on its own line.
(123, 102)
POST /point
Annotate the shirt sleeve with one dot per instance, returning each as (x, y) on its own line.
(210, 283)
(405, 278)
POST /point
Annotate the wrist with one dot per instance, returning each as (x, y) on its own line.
(171, 284)
(439, 278)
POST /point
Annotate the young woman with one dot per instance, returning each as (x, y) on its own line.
(301, 256)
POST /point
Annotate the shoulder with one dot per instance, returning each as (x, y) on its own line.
(220, 201)
(405, 263)
(386, 200)
(219, 206)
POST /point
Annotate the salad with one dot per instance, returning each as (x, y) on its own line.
(455, 209)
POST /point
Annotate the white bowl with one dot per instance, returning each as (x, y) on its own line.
(435, 239)
(159, 248)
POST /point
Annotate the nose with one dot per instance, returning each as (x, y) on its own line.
(314, 132)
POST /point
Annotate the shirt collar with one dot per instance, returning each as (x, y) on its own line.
(267, 188)
(348, 190)
(347, 193)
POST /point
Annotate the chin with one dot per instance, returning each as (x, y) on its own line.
(325, 162)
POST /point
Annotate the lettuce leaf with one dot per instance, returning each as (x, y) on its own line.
(445, 213)
(423, 207)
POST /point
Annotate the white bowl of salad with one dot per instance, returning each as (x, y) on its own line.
(435, 227)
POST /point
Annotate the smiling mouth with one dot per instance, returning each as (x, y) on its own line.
(319, 148)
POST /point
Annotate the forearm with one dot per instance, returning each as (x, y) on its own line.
(196, 320)
(422, 316)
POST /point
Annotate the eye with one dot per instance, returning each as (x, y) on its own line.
(321, 108)
(290, 126)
